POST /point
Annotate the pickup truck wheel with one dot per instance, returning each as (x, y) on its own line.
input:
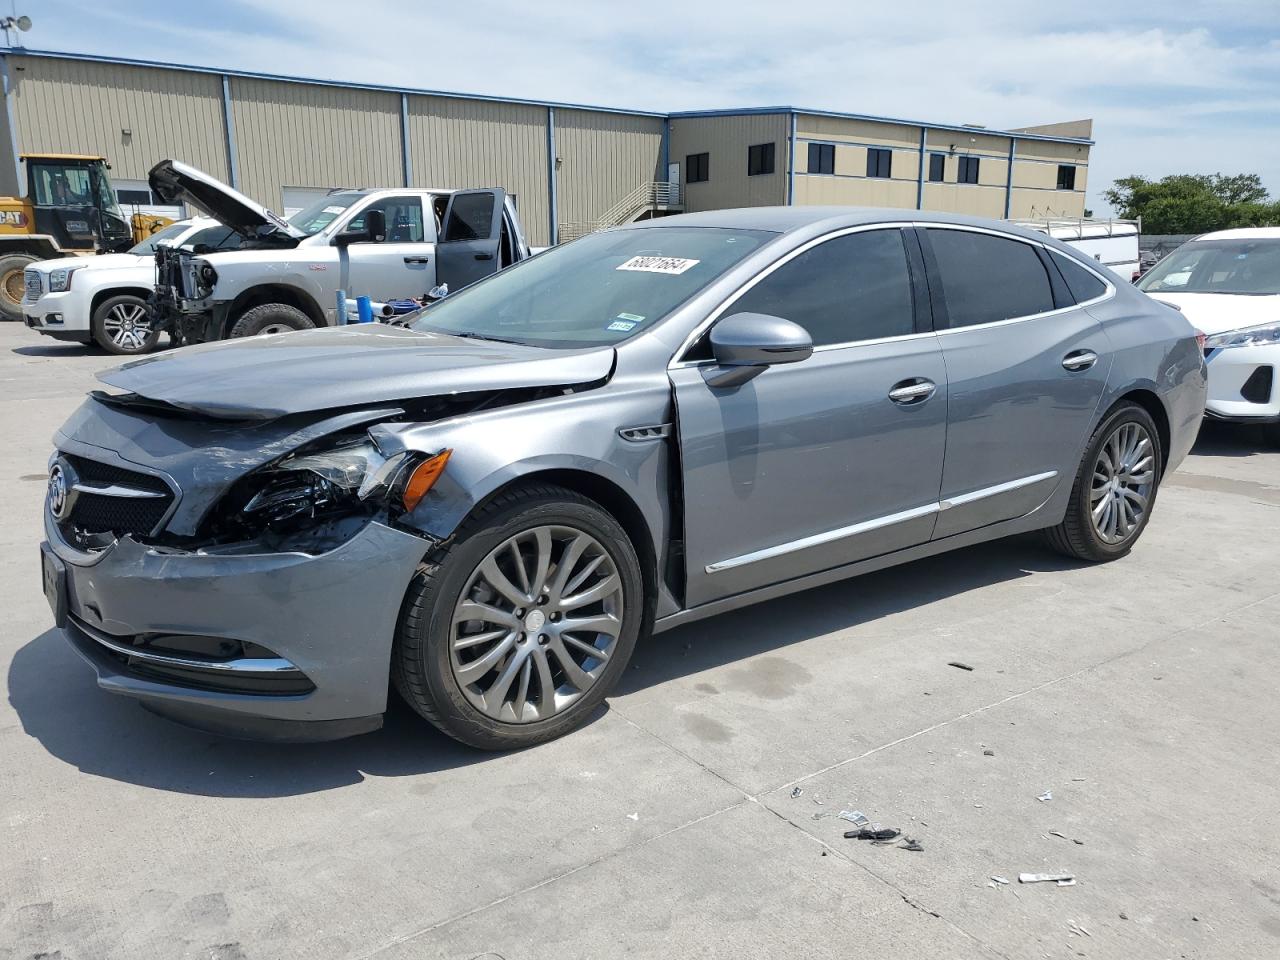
(515, 633)
(122, 325)
(11, 284)
(271, 318)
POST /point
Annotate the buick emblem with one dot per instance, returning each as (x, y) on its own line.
(61, 480)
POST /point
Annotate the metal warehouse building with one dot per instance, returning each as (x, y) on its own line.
(572, 168)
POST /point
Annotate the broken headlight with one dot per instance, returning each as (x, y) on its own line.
(333, 481)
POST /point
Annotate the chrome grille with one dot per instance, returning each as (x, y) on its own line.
(33, 284)
(105, 513)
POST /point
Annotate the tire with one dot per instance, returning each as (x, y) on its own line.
(1081, 536)
(122, 325)
(11, 284)
(444, 684)
(270, 318)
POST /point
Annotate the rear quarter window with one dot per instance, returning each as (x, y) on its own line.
(1084, 284)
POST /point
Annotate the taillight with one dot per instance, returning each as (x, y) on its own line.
(1200, 339)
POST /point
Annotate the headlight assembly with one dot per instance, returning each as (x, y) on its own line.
(352, 477)
(1266, 333)
(60, 279)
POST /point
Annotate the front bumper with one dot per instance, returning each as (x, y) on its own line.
(63, 316)
(1244, 384)
(329, 618)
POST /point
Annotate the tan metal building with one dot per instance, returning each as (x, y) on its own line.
(572, 168)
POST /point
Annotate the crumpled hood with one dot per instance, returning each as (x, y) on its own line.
(275, 375)
(1219, 312)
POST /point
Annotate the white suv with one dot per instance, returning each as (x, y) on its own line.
(103, 299)
(1228, 285)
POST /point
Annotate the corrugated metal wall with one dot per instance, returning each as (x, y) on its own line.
(474, 143)
(305, 135)
(603, 157)
(71, 106)
(725, 140)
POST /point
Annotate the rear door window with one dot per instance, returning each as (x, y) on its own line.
(404, 219)
(986, 278)
(855, 287)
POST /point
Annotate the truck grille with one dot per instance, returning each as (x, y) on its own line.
(105, 513)
(33, 286)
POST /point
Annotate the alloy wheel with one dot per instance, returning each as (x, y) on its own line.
(128, 326)
(536, 624)
(1124, 477)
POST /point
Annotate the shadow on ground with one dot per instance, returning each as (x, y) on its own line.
(57, 349)
(1219, 439)
(54, 694)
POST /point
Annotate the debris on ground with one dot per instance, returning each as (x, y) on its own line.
(1077, 930)
(1047, 795)
(633, 816)
(909, 844)
(796, 792)
(856, 817)
(988, 753)
(1062, 879)
(1123, 915)
(999, 879)
(879, 834)
(1063, 836)
(957, 663)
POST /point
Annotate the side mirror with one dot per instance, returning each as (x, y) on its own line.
(375, 230)
(746, 343)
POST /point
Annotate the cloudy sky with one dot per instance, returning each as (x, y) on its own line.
(1172, 87)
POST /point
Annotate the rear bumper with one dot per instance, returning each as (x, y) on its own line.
(1244, 384)
(322, 628)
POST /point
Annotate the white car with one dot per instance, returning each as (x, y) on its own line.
(1228, 285)
(103, 299)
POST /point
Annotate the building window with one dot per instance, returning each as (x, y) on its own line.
(1066, 177)
(822, 158)
(968, 170)
(697, 167)
(759, 159)
(879, 162)
(127, 197)
(937, 164)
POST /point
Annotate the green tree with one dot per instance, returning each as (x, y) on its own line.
(1194, 203)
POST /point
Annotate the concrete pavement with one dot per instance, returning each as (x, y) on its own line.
(1141, 694)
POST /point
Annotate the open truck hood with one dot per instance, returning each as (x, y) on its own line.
(264, 377)
(176, 182)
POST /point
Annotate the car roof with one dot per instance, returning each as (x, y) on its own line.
(789, 219)
(1242, 233)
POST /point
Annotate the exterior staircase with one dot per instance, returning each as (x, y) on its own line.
(657, 197)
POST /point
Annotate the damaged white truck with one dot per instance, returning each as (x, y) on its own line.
(386, 244)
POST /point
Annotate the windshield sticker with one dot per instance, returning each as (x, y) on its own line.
(671, 265)
(625, 322)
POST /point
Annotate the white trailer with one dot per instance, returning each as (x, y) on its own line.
(1113, 243)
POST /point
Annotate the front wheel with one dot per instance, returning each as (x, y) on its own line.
(122, 325)
(518, 632)
(1114, 490)
(270, 318)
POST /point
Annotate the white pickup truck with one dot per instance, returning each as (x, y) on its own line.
(1113, 243)
(385, 244)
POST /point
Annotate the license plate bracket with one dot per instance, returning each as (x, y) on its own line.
(54, 575)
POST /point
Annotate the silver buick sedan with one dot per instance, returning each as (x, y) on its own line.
(487, 508)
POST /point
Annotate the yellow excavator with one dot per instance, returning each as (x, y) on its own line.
(69, 209)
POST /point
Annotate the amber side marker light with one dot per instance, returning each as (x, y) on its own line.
(423, 478)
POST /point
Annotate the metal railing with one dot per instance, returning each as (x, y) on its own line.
(647, 196)
(1080, 227)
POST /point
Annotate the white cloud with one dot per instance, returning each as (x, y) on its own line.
(1178, 89)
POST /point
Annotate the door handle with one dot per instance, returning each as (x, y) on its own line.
(1078, 360)
(417, 259)
(484, 256)
(911, 392)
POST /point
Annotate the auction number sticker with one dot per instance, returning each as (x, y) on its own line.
(672, 265)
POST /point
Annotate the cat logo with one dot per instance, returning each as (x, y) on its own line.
(13, 218)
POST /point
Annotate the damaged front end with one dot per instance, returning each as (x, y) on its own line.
(181, 303)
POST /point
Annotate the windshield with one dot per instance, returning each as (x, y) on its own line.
(595, 291)
(169, 235)
(1245, 267)
(311, 220)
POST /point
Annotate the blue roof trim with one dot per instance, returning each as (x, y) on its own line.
(376, 87)
(752, 111)
(382, 88)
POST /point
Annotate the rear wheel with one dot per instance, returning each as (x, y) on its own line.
(1114, 490)
(122, 325)
(12, 283)
(519, 630)
(270, 318)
